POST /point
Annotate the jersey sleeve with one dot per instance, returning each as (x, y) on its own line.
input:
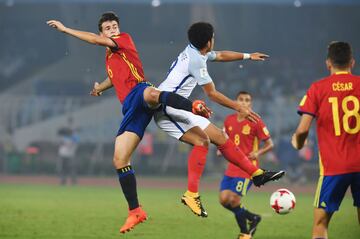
(261, 131)
(121, 41)
(198, 69)
(308, 104)
(211, 56)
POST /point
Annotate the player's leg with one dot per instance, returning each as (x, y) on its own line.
(231, 201)
(125, 145)
(233, 154)
(63, 169)
(329, 195)
(321, 223)
(231, 191)
(196, 164)
(355, 191)
(73, 171)
(187, 127)
(137, 116)
(153, 97)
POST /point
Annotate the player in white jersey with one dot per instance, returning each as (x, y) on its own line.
(187, 71)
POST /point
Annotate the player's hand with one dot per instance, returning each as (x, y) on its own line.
(57, 25)
(96, 91)
(218, 153)
(295, 144)
(253, 155)
(257, 56)
(199, 108)
(248, 113)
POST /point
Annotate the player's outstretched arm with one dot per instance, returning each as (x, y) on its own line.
(89, 37)
(99, 88)
(298, 139)
(225, 56)
(223, 100)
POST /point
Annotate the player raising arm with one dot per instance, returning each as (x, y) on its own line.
(334, 102)
(139, 98)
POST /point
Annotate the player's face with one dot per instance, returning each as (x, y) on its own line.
(244, 100)
(110, 28)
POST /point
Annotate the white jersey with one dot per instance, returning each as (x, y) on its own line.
(188, 70)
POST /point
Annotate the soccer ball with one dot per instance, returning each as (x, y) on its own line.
(282, 201)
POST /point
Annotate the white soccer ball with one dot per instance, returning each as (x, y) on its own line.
(282, 201)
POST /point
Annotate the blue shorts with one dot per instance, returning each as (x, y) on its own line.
(237, 185)
(137, 114)
(331, 191)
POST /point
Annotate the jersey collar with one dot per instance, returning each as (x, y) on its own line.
(342, 73)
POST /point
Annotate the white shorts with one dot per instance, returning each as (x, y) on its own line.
(177, 122)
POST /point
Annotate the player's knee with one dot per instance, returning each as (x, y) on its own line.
(224, 200)
(220, 137)
(320, 222)
(120, 161)
(235, 201)
(151, 95)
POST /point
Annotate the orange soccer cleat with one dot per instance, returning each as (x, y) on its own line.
(199, 108)
(136, 216)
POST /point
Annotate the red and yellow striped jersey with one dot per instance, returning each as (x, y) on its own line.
(335, 103)
(247, 136)
(123, 65)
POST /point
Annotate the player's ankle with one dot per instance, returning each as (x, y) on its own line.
(191, 194)
(257, 172)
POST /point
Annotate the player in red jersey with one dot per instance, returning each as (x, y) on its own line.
(247, 135)
(334, 102)
(139, 98)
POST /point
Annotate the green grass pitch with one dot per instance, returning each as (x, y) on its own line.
(97, 212)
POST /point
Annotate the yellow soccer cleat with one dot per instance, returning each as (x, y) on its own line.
(244, 236)
(192, 200)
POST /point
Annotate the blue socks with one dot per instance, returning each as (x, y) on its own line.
(128, 185)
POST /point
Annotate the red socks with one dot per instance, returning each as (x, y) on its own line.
(233, 154)
(196, 165)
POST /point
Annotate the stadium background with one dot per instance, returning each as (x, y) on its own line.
(45, 79)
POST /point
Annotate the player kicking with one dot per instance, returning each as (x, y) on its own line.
(139, 99)
(335, 104)
(236, 182)
(188, 70)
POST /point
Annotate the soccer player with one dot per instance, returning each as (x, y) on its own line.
(188, 70)
(247, 135)
(334, 102)
(139, 99)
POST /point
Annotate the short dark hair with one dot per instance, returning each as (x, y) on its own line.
(107, 16)
(200, 34)
(340, 54)
(242, 92)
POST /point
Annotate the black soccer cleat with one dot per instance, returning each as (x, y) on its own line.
(266, 177)
(253, 224)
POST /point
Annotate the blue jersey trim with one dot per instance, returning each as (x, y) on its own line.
(181, 83)
(171, 68)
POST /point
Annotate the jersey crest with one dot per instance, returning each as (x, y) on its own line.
(246, 129)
